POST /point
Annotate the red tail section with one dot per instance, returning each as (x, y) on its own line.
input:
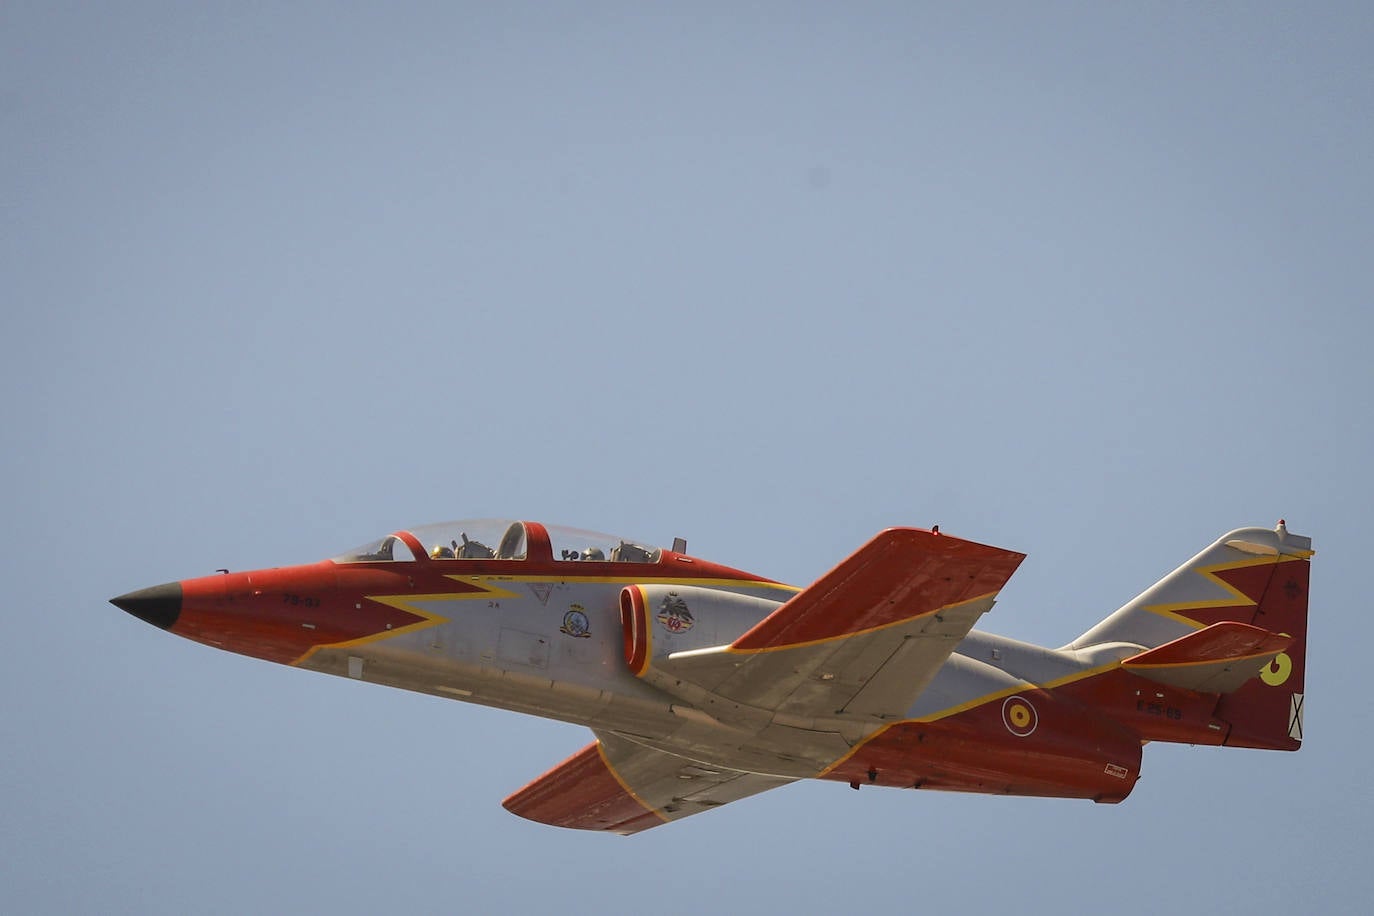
(1252, 576)
(1266, 712)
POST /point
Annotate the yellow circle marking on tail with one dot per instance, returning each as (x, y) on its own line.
(1277, 671)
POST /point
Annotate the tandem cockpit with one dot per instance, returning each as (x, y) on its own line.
(498, 539)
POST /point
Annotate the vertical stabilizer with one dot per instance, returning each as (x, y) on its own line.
(1253, 576)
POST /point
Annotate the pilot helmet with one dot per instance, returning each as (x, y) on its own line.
(440, 552)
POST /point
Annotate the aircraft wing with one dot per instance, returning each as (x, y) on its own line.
(616, 785)
(866, 638)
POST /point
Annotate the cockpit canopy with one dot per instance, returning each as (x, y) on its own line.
(499, 539)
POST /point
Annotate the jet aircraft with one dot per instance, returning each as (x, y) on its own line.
(704, 684)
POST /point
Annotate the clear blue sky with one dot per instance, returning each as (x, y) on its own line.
(1089, 283)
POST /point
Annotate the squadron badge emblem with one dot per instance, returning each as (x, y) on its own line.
(575, 622)
(673, 614)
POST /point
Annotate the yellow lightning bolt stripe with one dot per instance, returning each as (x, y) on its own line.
(1236, 598)
(489, 590)
(430, 619)
(408, 604)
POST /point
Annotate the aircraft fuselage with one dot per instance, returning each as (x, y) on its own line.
(688, 661)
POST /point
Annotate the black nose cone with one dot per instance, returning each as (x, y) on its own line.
(159, 605)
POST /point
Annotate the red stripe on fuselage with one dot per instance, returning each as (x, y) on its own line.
(1070, 753)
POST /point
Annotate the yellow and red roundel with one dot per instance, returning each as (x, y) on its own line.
(1019, 716)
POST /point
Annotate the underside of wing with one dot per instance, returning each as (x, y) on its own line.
(618, 786)
(865, 639)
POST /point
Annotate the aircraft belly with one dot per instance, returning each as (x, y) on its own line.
(630, 705)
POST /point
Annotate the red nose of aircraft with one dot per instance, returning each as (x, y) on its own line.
(276, 614)
(285, 613)
(159, 605)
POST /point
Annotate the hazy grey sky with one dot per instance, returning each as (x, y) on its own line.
(1087, 281)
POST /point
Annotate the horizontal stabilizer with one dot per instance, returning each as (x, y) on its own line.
(1215, 659)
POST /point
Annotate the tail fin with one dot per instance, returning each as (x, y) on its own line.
(1252, 576)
